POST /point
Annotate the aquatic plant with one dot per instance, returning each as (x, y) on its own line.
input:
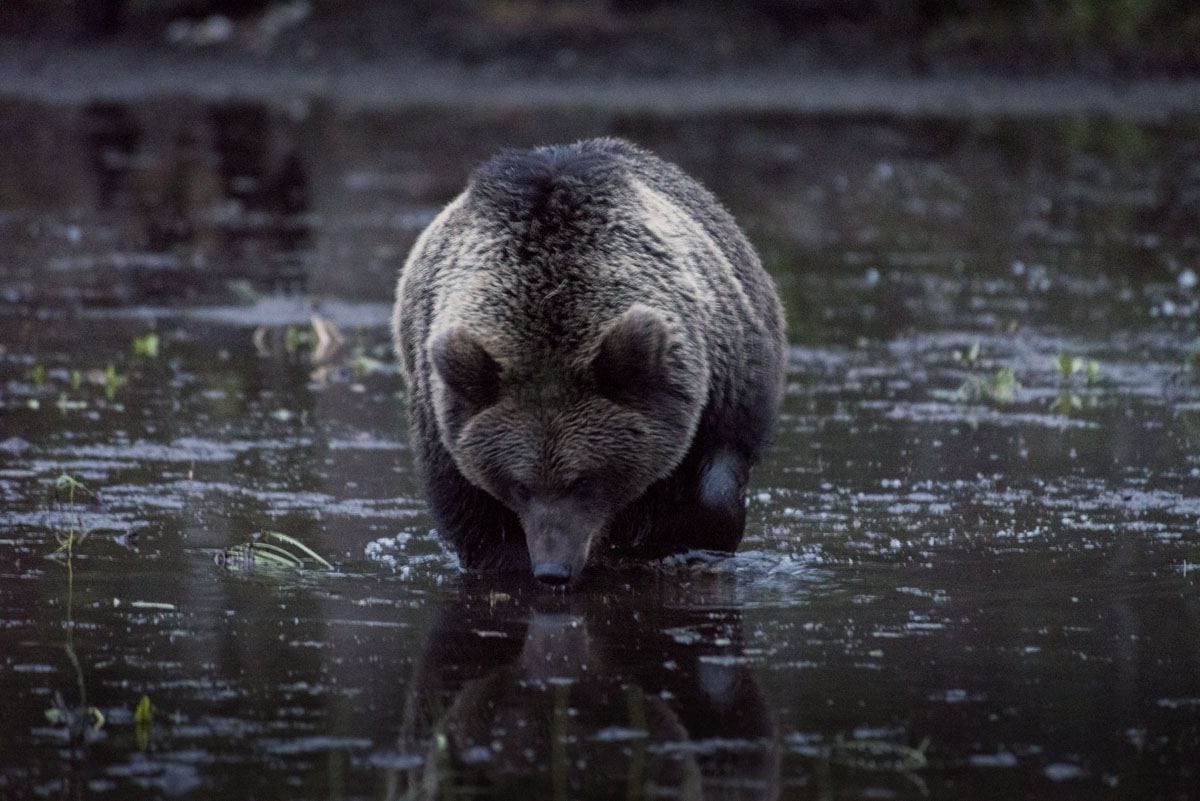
(113, 381)
(75, 718)
(271, 549)
(110, 378)
(75, 535)
(970, 356)
(146, 346)
(999, 387)
(37, 375)
(71, 485)
(365, 365)
(879, 755)
(1072, 397)
(143, 721)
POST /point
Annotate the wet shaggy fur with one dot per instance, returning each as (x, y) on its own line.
(594, 359)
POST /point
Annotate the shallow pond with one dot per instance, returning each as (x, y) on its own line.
(972, 568)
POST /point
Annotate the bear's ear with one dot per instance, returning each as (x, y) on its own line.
(631, 362)
(466, 367)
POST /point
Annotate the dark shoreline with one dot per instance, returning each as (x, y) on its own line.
(124, 74)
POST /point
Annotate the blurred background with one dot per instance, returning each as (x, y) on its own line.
(1119, 38)
(219, 149)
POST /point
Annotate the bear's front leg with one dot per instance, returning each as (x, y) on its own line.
(717, 515)
(701, 506)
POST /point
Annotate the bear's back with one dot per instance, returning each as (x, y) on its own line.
(566, 197)
(569, 190)
(703, 207)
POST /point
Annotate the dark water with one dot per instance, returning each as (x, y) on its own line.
(978, 528)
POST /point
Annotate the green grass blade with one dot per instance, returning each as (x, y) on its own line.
(268, 551)
(299, 546)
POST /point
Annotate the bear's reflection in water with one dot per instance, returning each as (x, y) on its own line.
(620, 694)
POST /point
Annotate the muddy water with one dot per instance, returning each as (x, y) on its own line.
(971, 568)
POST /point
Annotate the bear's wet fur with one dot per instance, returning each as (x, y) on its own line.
(594, 359)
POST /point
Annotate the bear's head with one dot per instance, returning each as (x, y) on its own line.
(566, 443)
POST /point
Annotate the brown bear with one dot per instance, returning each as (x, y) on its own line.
(594, 358)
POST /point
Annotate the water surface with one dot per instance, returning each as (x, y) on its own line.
(978, 527)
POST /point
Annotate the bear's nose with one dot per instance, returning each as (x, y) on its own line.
(552, 574)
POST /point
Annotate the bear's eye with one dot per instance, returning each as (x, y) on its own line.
(582, 489)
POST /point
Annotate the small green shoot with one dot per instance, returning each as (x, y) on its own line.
(970, 357)
(113, 381)
(365, 365)
(1004, 385)
(37, 375)
(69, 484)
(144, 714)
(1068, 365)
(143, 721)
(294, 337)
(82, 721)
(59, 714)
(1070, 397)
(999, 387)
(146, 346)
(68, 541)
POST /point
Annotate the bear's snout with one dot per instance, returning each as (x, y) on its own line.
(552, 574)
(559, 536)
